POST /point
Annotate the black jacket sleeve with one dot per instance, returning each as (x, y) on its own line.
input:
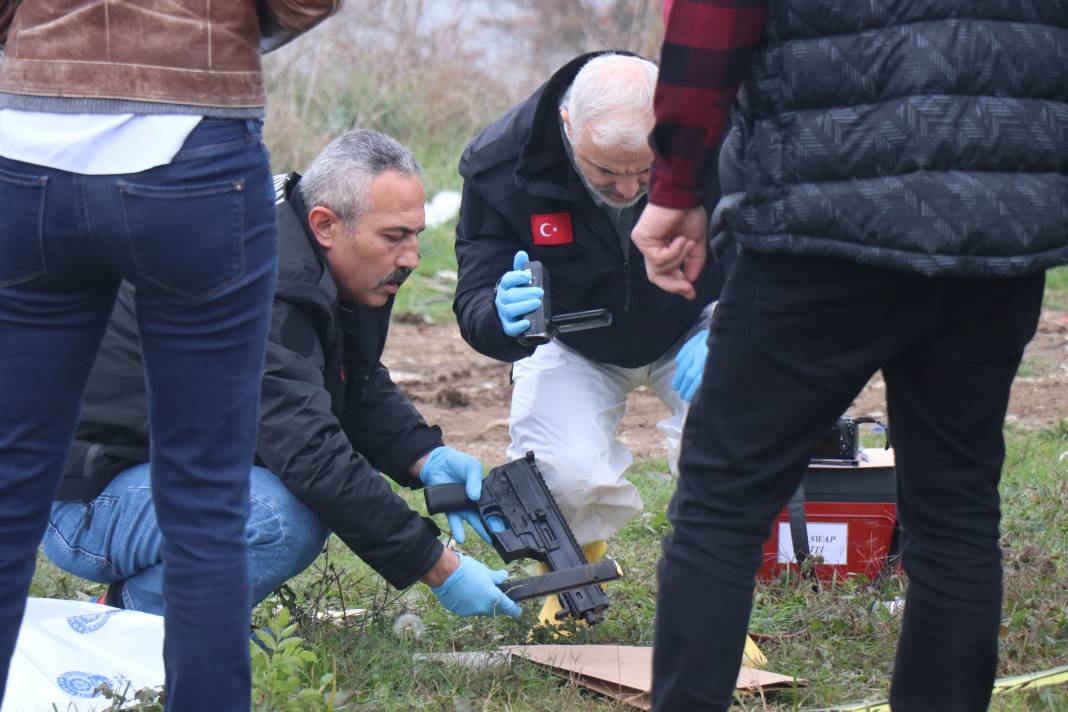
(303, 443)
(387, 429)
(485, 248)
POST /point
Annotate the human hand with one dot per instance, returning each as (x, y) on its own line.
(513, 299)
(471, 590)
(447, 466)
(690, 365)
(675, 246)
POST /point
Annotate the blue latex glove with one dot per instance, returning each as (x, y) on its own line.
(514, 299)
(448, 466)
(690, 365)
(472, 590)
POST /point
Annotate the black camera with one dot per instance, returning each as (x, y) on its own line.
(841, 446)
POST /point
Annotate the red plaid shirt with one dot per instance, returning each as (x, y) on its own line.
(708, 47)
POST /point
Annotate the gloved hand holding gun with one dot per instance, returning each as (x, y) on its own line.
(463, 585)
(515, 296)
(514, 495)
(525, 309)
(447, 466)
(470, 588)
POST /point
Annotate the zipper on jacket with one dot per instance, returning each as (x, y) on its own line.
(626, 283)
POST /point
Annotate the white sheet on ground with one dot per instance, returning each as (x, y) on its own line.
(443, 207)
(66, 648)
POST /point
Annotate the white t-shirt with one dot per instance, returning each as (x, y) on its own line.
(93, 144)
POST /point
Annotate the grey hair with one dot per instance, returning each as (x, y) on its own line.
(340, 177)
(612, 97)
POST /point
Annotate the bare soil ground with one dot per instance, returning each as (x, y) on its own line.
(467, 394)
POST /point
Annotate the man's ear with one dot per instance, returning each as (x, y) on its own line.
(566, 118)
(324, 223)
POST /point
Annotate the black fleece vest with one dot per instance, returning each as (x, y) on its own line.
(929, 136)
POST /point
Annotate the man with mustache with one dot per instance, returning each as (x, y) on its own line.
(561, 178)
(330, 419)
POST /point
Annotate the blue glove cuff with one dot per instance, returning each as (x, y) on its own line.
(431, 462)
(453, 579)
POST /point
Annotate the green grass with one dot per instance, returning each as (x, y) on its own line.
(1057, 289)
(839, 639)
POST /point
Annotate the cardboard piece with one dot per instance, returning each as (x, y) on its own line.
(625, 672)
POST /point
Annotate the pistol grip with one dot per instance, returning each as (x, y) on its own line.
(442, 499)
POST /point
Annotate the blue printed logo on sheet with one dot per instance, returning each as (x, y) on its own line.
(90, 622)
(80, 684)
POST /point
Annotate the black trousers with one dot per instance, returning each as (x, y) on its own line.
(793, 341)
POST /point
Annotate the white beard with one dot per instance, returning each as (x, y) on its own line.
(599, 197)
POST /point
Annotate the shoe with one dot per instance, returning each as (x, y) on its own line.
(595, 551)
(752, 655)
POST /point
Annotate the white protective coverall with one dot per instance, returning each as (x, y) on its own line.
(567, 410)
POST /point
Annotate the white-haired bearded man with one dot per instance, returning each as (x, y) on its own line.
(561, 178)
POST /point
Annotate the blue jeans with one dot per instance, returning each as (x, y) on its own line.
(115, 537)
(197, 238)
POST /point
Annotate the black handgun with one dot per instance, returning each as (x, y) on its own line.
(544, 325)
(534, 529)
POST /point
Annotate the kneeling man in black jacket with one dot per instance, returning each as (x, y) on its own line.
(330, 417)
(561, 178)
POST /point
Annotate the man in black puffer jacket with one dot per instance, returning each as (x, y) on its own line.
(331, 419)
(903, 185)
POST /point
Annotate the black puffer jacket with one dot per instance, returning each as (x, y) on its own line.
(330, 417)
(927, 136)
(518, 169)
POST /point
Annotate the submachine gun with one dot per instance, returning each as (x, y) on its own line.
(544, 325)
(534, 529)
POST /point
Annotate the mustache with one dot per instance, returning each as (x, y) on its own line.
(397, 277)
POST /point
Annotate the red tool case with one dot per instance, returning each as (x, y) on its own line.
(850, 514)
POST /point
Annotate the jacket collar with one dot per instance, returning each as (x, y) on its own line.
(309, 259)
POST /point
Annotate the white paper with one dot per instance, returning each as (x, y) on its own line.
(827, 539)
(66, 648)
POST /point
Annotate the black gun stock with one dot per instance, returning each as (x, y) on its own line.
(535, 529)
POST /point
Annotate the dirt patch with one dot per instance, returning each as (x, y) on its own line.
(467, 394)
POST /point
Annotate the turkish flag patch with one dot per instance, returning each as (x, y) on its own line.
(551, 229)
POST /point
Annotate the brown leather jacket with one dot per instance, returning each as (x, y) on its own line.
(188, 52)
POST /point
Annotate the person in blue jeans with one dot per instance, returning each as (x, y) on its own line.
(331, 417)
(130, 148)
